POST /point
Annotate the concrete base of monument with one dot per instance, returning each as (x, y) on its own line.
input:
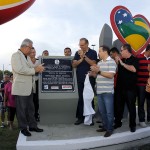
(71, 137)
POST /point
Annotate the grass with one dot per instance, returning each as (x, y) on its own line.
(8, 138)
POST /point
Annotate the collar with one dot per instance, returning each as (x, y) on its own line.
(146, 56)
(108, 58)
(22, 53)
(87, 50)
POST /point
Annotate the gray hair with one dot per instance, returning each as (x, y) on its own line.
(26, 42)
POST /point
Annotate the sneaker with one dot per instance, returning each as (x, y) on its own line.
(143, 124)
(3, 125)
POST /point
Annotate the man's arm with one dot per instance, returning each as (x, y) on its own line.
(75, 63)
(19, 68)
(109, 75)
(96, 69)
(132, 68)
(89, 61)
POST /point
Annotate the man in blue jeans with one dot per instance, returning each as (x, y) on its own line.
(105, 69)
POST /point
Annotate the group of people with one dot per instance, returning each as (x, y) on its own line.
(118, 78)
(21, 95)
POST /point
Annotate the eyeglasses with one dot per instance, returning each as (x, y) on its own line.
(122, 50)
(30, 47)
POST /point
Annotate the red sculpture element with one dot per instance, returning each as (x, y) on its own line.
(11, 11)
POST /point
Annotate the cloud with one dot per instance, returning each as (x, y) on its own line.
(56, 24)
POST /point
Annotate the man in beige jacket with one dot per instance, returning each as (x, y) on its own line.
(22, 87)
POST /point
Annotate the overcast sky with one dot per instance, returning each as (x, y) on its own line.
(56, 24)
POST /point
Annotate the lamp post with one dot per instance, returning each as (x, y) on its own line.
(4, 67)
(93, 46)
(3, 70)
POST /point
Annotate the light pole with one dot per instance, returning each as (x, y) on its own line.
(3, 70)
(4, 67)
(93, 46)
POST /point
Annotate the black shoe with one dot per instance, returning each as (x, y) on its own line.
(100, 126)
(108, 133)
(79, 121)
(133, 129)
(98, 121)
(25, 132)
(117, 126)
(101, 130)
(92, 124)
(36, 129)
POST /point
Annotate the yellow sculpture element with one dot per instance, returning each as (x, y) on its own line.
(9, 2)
(142, 24)
(136, 40)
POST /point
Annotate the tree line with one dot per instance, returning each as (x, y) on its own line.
(5, 72)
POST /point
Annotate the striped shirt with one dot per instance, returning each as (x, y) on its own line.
(143, 73)
(106, 85)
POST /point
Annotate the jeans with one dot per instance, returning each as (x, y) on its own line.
(106, 108)
(142, 96)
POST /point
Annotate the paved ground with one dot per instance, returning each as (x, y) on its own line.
(70, 131)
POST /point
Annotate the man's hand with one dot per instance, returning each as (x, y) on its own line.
(95, 68)
(148, 86)
(81, 53)
(39, 68)
(92, 74)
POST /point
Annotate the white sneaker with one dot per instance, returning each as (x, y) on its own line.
(143, 124)
(3, 125)
(148, 122)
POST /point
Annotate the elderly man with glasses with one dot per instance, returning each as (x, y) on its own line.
(22, 87)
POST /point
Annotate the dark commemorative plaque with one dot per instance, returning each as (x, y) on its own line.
(58, 75)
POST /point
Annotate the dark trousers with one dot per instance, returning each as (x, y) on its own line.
(36, 101)
(11, 113)
(129, 97)
(142, 97)
(25, 111)
(79, 111)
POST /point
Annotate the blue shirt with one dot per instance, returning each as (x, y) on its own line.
(84, 67)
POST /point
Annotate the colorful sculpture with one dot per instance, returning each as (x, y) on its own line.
(132, 30)
(10, 9)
